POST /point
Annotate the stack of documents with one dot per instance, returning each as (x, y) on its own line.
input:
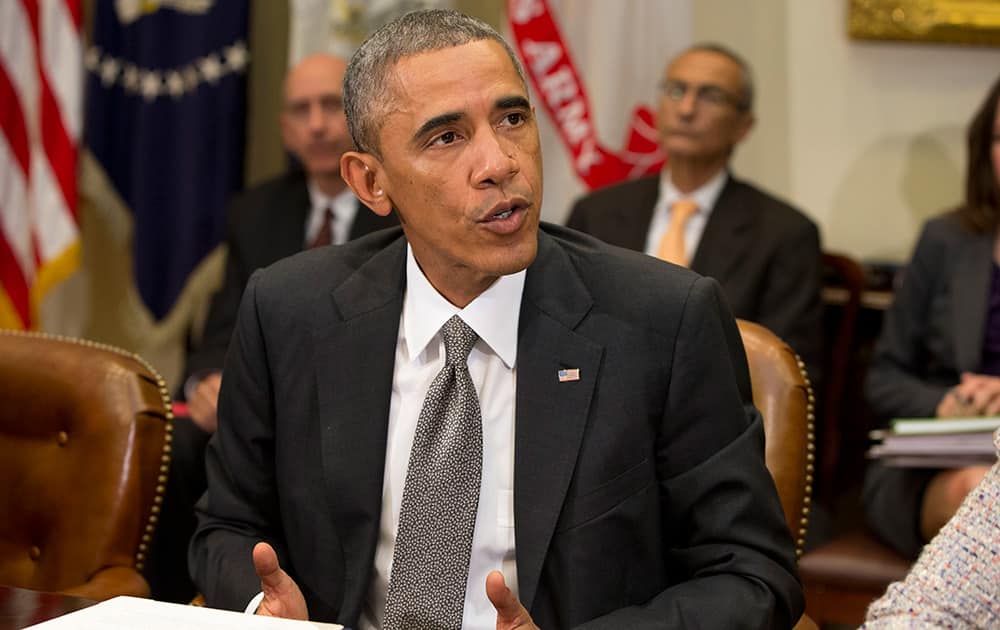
(147, 614)
(936, 442)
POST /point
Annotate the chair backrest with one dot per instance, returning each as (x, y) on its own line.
(84, 456)
(782, 394)
(844, 282)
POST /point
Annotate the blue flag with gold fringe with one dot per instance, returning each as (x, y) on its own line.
(165, 117)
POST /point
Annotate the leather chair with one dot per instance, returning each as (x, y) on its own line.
(783, 395)
(844, 283)
(84, 456)
(844, 575)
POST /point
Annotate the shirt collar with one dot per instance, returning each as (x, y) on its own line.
(494, 314)
(705, 196)
(344, 203)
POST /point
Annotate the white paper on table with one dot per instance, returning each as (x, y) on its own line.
(148, 614)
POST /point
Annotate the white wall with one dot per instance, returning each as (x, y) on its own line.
(866, 137)
(877, 128)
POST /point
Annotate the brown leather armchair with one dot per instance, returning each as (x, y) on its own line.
(843, 575)
(845, 283)
(784, 397)
(782, 393)
(84, 456)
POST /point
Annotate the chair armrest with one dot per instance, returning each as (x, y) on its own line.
(805, 623)
(111, 582)
(855, 560)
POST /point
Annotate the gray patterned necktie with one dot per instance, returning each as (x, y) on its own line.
(430, 563)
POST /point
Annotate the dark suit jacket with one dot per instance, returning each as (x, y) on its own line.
(265, 224)
(932, 333)
(641, 497)
(764, 253)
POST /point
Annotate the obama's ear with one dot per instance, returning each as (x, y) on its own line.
(363, 172)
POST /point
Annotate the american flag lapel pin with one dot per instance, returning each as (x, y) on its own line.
(566, 375)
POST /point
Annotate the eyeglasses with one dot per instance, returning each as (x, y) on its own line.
(707, 94)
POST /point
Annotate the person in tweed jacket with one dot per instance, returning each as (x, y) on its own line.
(956, 581)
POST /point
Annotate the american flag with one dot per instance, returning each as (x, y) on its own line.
(41, 72)
(569, 374)
(166, 97)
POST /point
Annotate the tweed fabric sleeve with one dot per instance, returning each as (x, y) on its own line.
(956, 581)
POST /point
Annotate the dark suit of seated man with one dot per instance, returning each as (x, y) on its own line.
(272, 220)
(764, 253)
(474, 423)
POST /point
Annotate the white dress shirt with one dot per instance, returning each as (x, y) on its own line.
(344, 206)
(705, 197)
(420, 356)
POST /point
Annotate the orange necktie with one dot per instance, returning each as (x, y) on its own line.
(671, 247)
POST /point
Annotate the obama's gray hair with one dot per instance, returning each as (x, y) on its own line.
(367, 82)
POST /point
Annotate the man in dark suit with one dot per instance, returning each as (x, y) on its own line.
(620, 481)
(764, 253)
(280, 217)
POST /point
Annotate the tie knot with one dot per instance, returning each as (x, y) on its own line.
(458, 340)
(682, 210)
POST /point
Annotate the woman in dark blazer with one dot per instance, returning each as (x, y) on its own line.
(939, 351)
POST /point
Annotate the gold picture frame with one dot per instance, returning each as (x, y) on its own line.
(975, 22)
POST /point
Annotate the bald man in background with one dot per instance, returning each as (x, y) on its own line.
(302, 208)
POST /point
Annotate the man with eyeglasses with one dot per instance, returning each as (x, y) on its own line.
(764, 253)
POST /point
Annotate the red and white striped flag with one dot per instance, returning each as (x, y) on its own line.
(41, 112)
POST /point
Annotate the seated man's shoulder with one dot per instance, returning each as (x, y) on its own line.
(330, 266)
(619, 278)
(768, 202)
(262, 196)
(947, 226)
(772, 210)
(611, 196)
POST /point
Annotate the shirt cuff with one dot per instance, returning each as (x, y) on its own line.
(251, 608)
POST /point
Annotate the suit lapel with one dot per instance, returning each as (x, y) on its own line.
(727, 234)
(634, 213)
(357, 349)
(551, 415)
(971, 283)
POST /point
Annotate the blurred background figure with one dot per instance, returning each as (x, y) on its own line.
(939, 350)
(307, 207)
(302, 208)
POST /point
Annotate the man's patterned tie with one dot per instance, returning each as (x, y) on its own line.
(430, 563)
